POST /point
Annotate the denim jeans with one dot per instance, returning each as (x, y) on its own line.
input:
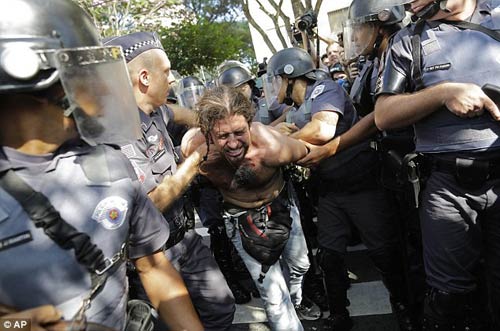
(280, 289)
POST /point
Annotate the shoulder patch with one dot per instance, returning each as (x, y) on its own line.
(111, 212)
(128, 150)
(317, 91)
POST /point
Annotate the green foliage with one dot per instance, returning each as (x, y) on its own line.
(202, 34)
(215, 10)
(193, 45)
(117, 17)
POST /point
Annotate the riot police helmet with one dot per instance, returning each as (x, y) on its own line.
(189, 91)
(291, 63)
(235, 77)
(365, 17)
(288, 63)
(54, 44)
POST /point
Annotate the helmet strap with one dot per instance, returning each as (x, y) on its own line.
(431, 10)
(288, 96)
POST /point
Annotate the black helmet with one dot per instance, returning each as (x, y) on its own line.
(386, 12)
(236, 76)
(361, 30)
(190, 82)
(43, 42)
(29, 32)
(228, 64)
(189, 91)
(291, 63)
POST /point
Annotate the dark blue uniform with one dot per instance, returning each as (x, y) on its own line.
(459, 207)
(109, 205)
(350, 195)
(153, 157)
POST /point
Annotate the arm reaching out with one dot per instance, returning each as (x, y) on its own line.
(167, 292)
(363, 129)
(464, 100)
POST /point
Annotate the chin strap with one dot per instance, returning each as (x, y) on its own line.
(288, 97)
(431, 10)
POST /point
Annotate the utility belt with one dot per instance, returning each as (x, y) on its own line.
(470, 173)
(392, 147)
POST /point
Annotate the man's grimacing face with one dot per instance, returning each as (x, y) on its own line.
(231, 136)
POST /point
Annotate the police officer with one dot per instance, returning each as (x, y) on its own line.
(72, 210)
(433, 70)
(186, 92)
(242, 79)
(189, 91)
(348, 191)
(155, 161)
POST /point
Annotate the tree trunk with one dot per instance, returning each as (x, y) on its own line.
(250, 19)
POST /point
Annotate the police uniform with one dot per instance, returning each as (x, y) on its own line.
(392, 146)
(459, 207)
(153, 158)
(265, 113)
(94, 190)
(348, 192)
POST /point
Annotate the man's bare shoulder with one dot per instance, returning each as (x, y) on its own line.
(191, 141)
(267, 136)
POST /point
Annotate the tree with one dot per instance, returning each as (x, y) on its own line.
(192, 46)
(117, 17)
(215, 10)
(273, 9)
(196, 34)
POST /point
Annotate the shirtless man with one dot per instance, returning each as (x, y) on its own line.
(244, 162)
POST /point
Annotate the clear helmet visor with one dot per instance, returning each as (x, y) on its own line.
(271, 86)
(99, 92)
(188, 97)
(359, 38)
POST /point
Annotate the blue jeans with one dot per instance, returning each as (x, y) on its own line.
(279, 292)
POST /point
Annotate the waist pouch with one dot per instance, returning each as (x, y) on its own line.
(264, 231)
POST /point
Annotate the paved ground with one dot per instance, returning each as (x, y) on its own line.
(369, 299)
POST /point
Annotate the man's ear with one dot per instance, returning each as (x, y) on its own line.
(144, 77)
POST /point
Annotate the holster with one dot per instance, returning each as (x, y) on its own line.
(415, 170)
(139, 316)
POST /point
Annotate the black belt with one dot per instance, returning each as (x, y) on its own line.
(470, 173)
(490, 168)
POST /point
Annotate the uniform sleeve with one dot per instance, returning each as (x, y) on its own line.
(141, 163)
(328, 97)
(149, 231)
(395, 70)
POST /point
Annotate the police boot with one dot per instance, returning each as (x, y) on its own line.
(336, 283)
(392, 272)
(444, 311)
(221, 248)
(314, 289)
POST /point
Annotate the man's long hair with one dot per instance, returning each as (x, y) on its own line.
(219, 103)
(222, 102)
